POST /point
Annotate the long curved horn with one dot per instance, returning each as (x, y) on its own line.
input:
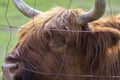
(25, 9)
(93, 14)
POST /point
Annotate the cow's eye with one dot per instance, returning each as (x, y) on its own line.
(47, 35)
(59, 42)
(56, 43)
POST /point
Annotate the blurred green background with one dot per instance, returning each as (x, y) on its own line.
(10, 16)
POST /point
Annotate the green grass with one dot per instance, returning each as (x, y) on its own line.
(4, 48)
(15, 18)
(6, 43)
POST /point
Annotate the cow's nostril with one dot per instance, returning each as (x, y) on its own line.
(14, 69)
(10, 70)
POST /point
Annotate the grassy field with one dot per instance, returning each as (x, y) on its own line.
(10, 16)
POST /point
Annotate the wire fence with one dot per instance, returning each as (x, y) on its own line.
(62, 30)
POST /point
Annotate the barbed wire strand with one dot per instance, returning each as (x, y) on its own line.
(110, 8)
(33, 11)
(72, 75)
(62, 30)
(69, 5)
(62, 64)
(64, 55)
(10, 29)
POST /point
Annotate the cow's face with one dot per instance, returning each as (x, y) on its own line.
(44, 43)
(42, 47)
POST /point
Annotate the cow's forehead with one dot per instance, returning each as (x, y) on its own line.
(57, 18)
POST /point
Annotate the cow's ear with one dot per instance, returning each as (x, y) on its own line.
(115, 38)
(110, 37)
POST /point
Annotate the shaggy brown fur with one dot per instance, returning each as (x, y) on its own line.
(53, 47)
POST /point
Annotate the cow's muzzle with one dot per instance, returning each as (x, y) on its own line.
(10, 70)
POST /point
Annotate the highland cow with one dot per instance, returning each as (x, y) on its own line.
(65, 44)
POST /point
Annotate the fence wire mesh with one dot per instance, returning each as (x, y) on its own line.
(8, 25)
